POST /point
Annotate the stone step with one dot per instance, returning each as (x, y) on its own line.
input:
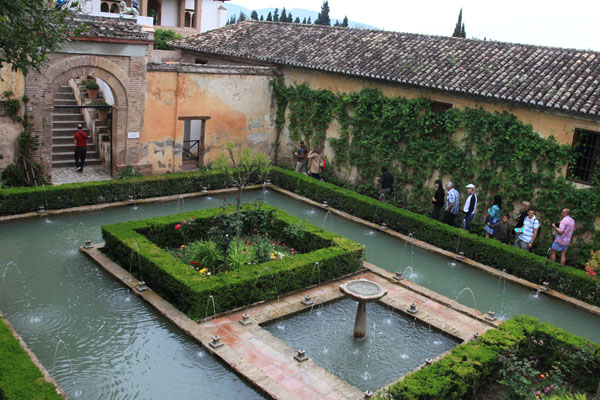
(67, 124)
(64, 96)
(60, 148)
(57, 132)
(71, 162)
(65, 89)
(65, 116)
(65, 102)
(70, 156)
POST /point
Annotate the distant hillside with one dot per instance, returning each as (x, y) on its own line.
(233, 9)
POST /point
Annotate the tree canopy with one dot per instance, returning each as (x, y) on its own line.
(30, 29)
(459, 29)
(323, 17)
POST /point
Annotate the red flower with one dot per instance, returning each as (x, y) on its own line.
(283, 244)
(177, 227)
(192, 218)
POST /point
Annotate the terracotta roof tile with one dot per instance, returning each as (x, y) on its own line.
(110, 28)
(563, 79)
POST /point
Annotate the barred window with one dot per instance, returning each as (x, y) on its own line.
(587, 144)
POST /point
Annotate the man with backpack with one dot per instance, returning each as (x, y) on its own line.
(531, 226)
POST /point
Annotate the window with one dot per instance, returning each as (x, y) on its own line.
(439, 107)
(193, 138)
(587, 144)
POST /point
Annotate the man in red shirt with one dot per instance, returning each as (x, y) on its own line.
(80, 148)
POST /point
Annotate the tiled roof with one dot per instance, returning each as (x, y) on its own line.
(110, 28)
(560, 79)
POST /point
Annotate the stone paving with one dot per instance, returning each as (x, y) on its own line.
(268, 362)
(90, 173)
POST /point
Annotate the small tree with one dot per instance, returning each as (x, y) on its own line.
(240, 166)
(276, 15)
(297, 20)
(162, 37)
(283, 17)
(269, 17)
(242, 17)
(254, 15)
(459, 29)
(323, 17)
(345, 22)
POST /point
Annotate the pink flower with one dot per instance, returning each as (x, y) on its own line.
(283, 244)
(184, 221)
(538, 392)
(177, 227)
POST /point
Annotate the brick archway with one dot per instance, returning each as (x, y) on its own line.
(127, 88)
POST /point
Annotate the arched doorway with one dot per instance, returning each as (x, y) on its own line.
(115, 72)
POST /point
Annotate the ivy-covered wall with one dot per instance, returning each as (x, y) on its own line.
(494, 150)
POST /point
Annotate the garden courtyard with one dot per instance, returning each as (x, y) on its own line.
(187, 296)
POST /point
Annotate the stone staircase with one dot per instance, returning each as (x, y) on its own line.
(64, 126)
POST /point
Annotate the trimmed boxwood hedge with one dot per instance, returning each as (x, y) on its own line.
(571, 281)
(471, 365)
(189, 291)
(26, 199)
(19, 377)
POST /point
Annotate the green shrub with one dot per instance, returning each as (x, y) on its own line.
(92, 85)
(128, 172)
(19, 377)
(189, 291)
(207, 253)
(473, 365)
(571, 281)
(238, 256)
(163, 36)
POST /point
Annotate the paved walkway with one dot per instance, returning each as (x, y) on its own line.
(269, 363)
(90, 173)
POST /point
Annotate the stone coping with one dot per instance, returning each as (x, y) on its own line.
(34, 359)
(267, 362)
(467, 261)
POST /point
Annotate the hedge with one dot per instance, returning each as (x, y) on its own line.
(189, 291)
(471, 365)
(19, 377)
(21, 200)
(571, 281)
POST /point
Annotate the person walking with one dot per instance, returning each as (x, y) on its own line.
(80, 140)
(437, 200)
(301, 154)
(502, 230)
(519, 225)
(470, 207)
(315, 162)
(531, 227)
(386, 180)
(493, 216)
(564, 233)
(451, 205)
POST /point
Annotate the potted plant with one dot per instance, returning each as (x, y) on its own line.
(102, 112)
(92, 89)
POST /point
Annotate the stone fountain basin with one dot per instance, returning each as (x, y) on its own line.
(363, 290)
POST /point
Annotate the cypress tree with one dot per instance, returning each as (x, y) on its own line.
(269, 17)
(304, 20)
(254, 15)
(297, 20)
(290, 18)
(345, 22)
(459, 29)
(261, 17)
(276, 15)
(309, 21)
(242, 17)
(323, 17)
(283, 17)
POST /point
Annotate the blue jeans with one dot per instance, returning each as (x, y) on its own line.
(467, 221)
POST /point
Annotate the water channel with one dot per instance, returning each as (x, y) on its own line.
(100, 341)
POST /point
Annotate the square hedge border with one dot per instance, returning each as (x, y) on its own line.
(190, 291)
(472, 365)
(568, 280)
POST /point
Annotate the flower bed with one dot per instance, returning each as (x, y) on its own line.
(471, 367)
(571, 281)
(189, 290)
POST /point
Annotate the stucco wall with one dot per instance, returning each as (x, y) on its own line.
(9, 130)
(238, 101)
(545, 123)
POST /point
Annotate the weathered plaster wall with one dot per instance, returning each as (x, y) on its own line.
(14, 82)
(238, 101)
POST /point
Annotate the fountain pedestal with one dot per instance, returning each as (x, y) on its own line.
(363, 291)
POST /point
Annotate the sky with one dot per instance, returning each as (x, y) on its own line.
(567, 24)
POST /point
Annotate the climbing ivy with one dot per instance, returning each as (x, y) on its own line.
(493, 150)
